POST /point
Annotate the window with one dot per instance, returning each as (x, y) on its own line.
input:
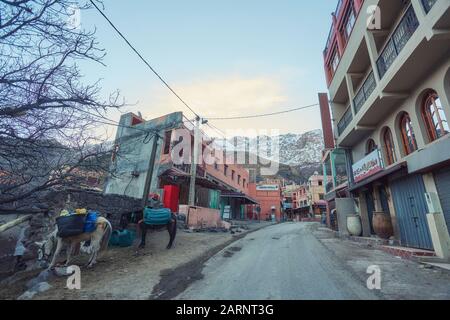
(320, 183)
(335, 61)
(408, 136)
(434, 116)
(239, 179)
(216, 166)
(349, 23)
(321, 196)
(371, 146)
(389, 149)
(225, 170)
(233, 174)
(167, 141)
(244, 182)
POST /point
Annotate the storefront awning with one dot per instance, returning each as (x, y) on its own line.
(237, 195)
(378, 176)
(177, 176)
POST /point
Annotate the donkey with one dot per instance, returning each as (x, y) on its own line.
(98, 239)
(171, 227)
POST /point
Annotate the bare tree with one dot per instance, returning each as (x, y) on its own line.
(47, 115)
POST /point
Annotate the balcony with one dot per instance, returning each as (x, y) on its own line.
(345, 121)
(399, 38)
(364, 92)
(428, 5)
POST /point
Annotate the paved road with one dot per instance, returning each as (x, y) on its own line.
(283, 262)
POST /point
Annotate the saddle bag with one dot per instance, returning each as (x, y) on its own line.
(90, 225)
(157, 217)
(70, 226)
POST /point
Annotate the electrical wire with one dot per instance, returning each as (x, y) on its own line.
(143, 59)
(222, 133)
(264, 115)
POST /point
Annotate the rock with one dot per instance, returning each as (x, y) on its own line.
(41, 287)
(42, 277)
(226, 225)
(27, 295)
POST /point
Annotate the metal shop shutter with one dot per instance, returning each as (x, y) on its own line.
(442, 178)
(411, 209)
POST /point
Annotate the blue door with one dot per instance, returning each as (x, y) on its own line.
(411, 210)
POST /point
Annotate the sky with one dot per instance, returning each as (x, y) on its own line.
(225, 58)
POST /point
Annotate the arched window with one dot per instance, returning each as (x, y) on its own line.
(434, 116)
(371, 146)
(407, 132)
(388, 145)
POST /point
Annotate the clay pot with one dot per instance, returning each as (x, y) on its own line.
(354, 225)
(382, 225)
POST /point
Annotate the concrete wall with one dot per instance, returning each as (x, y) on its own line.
(344, 208)
(198, 217)
(134, 154)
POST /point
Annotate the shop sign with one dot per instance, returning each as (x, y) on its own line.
(368, 166)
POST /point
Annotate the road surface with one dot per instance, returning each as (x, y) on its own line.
(281, 262)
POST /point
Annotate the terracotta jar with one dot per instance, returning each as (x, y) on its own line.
(354, 225)
(382, 225)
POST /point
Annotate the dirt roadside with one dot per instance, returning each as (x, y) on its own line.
(154, 273)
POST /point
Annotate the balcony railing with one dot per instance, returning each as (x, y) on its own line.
(345, 121)
(330, 34)
(404, 31)
(428, 5)
(338, 8)
(364, 92)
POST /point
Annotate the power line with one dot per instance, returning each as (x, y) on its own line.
(222, 133)
(115, 123)
(143, 59)
(266, 114)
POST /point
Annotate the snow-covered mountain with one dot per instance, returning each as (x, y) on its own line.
(290, 149)
(299, 155)
(301, 149)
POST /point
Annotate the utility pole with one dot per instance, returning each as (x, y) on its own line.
(194, 160)
(151, 166)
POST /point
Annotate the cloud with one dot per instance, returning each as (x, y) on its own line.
(223, 97)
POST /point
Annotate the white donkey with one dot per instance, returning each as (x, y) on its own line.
(99, 240)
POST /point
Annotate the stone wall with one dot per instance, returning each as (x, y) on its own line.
(46, 209)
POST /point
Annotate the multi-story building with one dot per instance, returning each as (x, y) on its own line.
(316, 195)
(148, 158)
(302, 196)
(269, 195)
(387, 65)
